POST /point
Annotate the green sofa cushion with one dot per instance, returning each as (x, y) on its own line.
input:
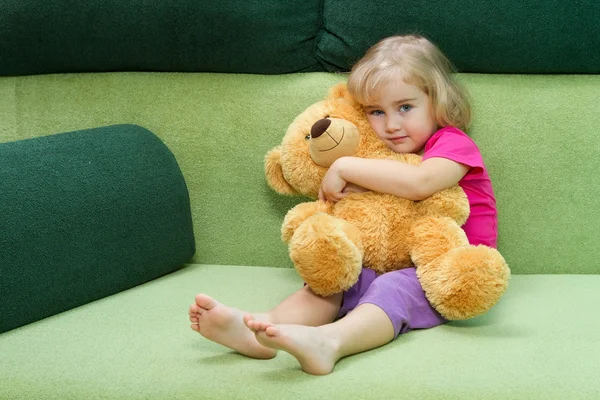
(539, 342)
(510, 36)
(265, 36)
(84, 215)
(538, 134)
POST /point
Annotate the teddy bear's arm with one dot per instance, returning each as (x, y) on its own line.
(301, 213)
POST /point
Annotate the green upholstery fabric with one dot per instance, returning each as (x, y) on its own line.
(540, 342)
(264, 36)
(538, 135)
(274, 36)
(84, 215)
(510, 36)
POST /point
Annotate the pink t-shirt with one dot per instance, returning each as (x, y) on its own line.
(452, 143)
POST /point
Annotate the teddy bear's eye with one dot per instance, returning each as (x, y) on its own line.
(307, 137)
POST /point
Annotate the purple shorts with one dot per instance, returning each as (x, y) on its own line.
(399, 294)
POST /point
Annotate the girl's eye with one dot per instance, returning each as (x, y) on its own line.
(377, 113)
(405, 108)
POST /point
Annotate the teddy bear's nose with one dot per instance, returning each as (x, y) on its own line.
(319, 127)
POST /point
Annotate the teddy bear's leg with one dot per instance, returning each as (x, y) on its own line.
(461, 281)
(327, 253)
(301, 213)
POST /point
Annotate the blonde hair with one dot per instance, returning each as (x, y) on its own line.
(423, 65)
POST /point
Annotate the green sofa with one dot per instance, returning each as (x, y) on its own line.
(219, 84)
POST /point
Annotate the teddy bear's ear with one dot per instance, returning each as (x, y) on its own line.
(340, 91)
(274, 172)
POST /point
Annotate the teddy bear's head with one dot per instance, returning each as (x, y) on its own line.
(325, 131)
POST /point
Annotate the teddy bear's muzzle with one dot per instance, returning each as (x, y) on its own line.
(332, 138)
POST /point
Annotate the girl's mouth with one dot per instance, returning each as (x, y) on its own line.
(398, 139)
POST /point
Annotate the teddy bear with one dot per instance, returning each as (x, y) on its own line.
(329, 243)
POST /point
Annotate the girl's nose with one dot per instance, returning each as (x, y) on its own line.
(392, 125)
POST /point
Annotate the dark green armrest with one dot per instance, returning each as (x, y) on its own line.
(84, 215)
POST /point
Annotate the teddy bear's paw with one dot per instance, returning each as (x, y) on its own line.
(434, 237)
(327, 253)
(301, 213)
(465, 282)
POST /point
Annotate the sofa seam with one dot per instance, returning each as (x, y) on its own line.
(320, 32)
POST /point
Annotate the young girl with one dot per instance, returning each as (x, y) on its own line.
(406, 86)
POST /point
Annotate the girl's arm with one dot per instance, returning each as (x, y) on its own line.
(392, 177)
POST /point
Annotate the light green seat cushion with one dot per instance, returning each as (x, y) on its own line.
(540, 342)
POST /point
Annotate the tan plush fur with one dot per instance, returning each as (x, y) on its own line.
(330, 243)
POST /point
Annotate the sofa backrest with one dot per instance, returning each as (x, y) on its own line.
(275, 36)
(538, 134)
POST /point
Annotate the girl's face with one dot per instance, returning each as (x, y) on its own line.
(402, 117)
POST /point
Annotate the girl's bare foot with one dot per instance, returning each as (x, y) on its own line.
(317, 353)
(225, 325)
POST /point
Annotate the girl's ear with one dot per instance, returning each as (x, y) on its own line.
(340, 91)
(274, 173)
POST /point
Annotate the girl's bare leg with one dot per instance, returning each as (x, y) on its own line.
(317, 349)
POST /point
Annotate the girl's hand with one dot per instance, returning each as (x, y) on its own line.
(332, 187)
(353, 188)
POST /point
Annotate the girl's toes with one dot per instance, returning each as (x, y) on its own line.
(272, 331)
